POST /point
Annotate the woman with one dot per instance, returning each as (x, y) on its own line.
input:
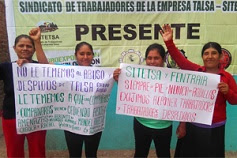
(24, 48)
(146, 130)
(84, 56)
(204, 140)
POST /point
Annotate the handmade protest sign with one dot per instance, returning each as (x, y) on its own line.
(72, 98)
(166, 94)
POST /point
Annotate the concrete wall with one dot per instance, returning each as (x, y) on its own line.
(4, 52)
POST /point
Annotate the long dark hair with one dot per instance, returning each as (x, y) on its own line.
(79, 45)
(214, 45)
(158, 47)
(18, 38)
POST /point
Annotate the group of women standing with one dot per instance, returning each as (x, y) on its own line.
(195, 140)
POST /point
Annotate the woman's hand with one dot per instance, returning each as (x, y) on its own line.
(35, 34)
(181, 130)
(20, 62)
(116, 74)
(166, 33)
(223, 87)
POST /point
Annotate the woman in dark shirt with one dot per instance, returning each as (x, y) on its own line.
(24, 48)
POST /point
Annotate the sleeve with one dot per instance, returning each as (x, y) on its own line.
(181, 61)
(231, 96)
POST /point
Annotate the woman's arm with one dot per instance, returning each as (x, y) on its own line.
(35, 34)
(182, 62)
(229, 90)
(116, 74)
(181, 130)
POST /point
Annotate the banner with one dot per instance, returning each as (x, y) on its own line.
(166, 94)
(121, 30)
(72, 98)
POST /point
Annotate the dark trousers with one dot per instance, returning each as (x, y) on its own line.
(144, 136)
(201, 142)
(75, 143)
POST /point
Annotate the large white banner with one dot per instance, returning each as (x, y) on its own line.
(166, 94)
(72, 98)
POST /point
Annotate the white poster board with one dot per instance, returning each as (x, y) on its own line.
(72, 98)
(166, 94)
